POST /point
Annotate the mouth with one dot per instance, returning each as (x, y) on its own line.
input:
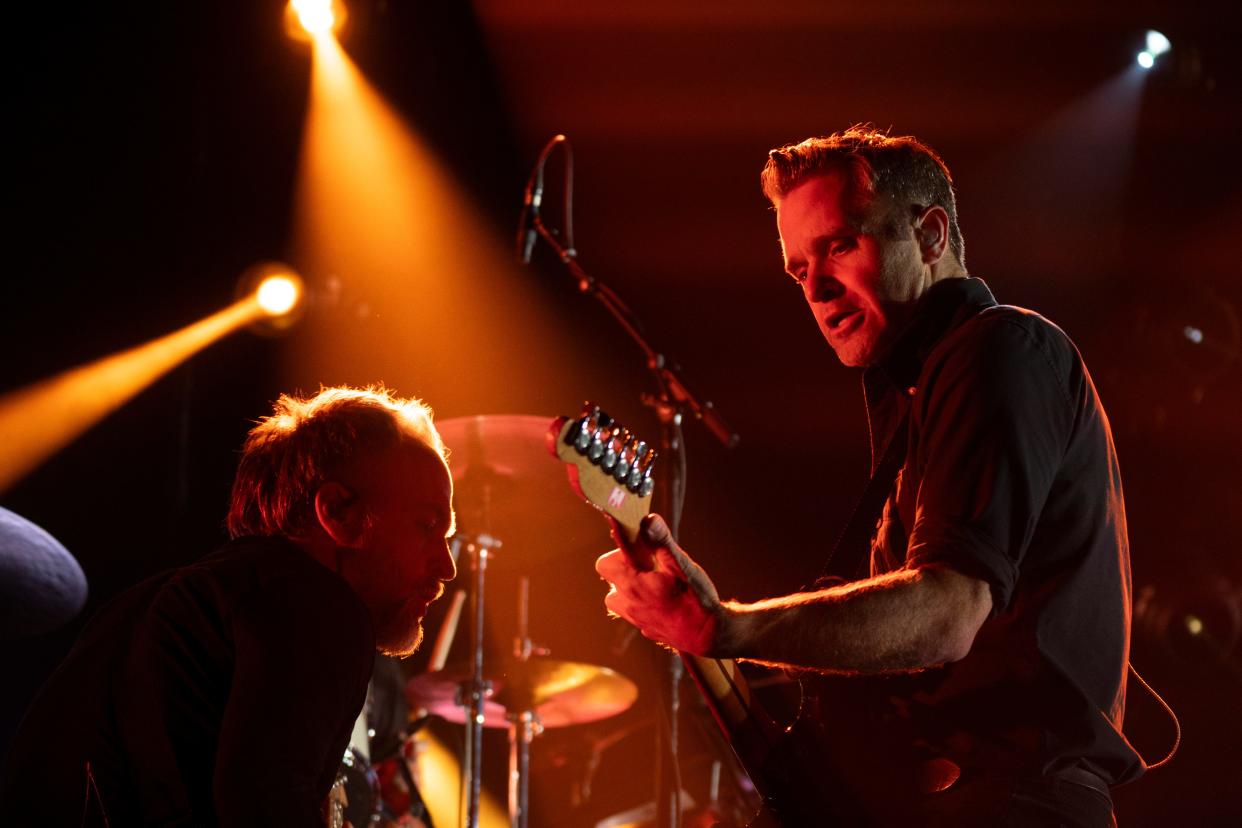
(427, 598)
(841, 320)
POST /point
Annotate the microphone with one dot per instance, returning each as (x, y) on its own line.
(527, 234)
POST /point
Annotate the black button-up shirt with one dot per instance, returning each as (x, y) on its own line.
(1010, 476)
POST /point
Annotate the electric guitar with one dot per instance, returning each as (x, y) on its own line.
(611, 468)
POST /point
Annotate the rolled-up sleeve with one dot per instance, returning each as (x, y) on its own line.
(994, 419)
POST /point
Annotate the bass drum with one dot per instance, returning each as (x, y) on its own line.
(355, 797)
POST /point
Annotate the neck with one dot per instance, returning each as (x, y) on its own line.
(947, 268)
(321, 549)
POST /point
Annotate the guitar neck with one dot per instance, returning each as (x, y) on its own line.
(611, 468)
(750, 731)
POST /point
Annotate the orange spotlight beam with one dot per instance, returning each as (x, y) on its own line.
(40, 419)
(451, 311)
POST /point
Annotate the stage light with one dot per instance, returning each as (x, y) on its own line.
(316, 18)
(279, 293)
(1157, 45)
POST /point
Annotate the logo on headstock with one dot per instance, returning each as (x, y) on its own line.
(616, 497)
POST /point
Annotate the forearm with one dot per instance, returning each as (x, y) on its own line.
(902, 621)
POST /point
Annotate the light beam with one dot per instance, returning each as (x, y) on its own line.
(440, 304)
(42, 418)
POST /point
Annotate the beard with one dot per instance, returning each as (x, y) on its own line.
(400, 633)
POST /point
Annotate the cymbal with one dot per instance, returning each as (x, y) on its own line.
(504, 444)
(559, 692)
(507, 485)
(41, 585)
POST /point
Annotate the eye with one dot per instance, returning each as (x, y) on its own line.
(842, 246)
(799, 276)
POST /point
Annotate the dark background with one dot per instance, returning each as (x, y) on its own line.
(153, 156)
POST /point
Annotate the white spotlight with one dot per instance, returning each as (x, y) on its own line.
(1157, 43)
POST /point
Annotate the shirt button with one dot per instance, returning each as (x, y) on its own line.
(910, 391)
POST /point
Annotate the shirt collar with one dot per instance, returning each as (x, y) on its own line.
(942, 308)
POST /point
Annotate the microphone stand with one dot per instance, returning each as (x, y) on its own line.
(672, 401)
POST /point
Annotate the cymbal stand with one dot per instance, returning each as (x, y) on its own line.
(476, 690)
(524, 723)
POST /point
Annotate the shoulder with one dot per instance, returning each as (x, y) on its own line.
(277, 586)
(1005, 344)
(262, 563)
(254, 571)
(1009, 329)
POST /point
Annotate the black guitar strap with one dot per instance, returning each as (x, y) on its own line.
(850, 556)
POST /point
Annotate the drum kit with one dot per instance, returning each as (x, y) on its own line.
(506, 485)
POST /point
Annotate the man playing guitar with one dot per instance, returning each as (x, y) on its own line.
(996, 608)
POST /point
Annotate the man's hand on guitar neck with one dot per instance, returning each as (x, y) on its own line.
(674, 602)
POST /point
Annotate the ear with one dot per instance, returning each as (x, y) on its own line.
(340, 513)
(931, 231)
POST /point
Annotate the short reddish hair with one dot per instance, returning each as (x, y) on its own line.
(900, 167)
(308, 441)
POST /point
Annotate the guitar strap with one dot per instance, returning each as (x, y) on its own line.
(850, 557)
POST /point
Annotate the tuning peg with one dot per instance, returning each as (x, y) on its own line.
(633, 478)
(609, 460)
(639, 480)
(625, 458)
(589, 428)
(613, 448)
(595, 451)
(580, 435)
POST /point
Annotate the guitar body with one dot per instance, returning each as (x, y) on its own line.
(786, 765)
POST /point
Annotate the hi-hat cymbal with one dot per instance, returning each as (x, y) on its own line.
(41, 585)
(507, 485)
(559, 692)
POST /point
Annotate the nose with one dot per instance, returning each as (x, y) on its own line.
(820, 285)
(445, 568)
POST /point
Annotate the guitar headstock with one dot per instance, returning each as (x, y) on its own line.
(608, 465)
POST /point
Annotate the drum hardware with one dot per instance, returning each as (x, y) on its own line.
(476, 687)
(563, 692)
(526, 695)
(524, 724)
(505, 483)
(355, 795)
(42, 587)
